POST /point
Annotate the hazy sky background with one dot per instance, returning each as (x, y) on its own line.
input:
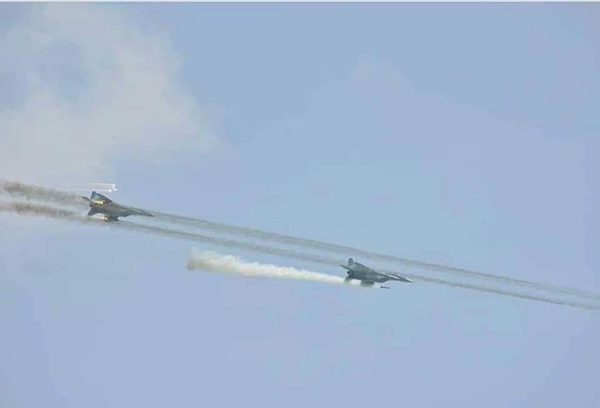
(460, 134)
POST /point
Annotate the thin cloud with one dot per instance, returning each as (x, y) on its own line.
(92, 90)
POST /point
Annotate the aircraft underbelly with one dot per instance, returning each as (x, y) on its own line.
(368, 277)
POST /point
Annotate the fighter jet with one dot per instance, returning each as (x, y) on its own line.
(111, 210)
(368, 276)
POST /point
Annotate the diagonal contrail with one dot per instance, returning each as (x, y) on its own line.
(46, 211)
(31, 192)
(350, 251)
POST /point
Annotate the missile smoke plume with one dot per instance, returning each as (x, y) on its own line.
(213, 262)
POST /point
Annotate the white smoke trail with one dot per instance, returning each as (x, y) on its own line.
(214, 262)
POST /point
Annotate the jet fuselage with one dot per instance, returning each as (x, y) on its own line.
(100, 204)
(368, 276)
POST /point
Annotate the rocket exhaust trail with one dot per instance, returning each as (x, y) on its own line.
(51, 212)
(35, 193)
(350, 251)
(38, 210)
(31, 192)
(213, 262)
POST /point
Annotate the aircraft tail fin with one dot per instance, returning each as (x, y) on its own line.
(350, 261)
(99, 197)
(91, 212)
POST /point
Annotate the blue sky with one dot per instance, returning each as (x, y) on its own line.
(459, 134)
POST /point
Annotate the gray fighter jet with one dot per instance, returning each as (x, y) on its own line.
(368, 276)
(111, 210)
